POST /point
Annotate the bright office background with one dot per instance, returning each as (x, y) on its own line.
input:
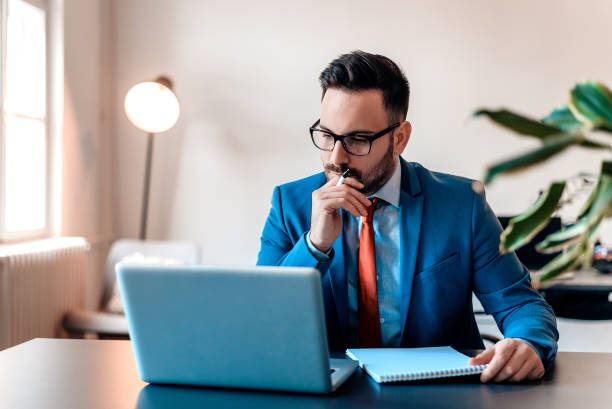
(246, 74)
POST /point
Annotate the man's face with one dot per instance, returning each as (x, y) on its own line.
(344, 112)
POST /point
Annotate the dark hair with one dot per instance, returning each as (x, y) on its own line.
(360, 71)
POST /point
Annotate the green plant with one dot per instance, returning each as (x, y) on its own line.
(589, 110)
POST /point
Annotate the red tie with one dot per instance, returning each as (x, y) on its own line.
(369, 318)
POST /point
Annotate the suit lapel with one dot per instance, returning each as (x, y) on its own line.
(337, 274)
(411, 217)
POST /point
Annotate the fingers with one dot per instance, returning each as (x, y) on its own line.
(503, 353)
(346, 203)
(513, 360)
(513, 366)
(326, 220)
(349, 181)
(528, 367)
(357, 198)
(532, 367)
(332, 181)
(484, 357)
(330, 197)
(537, 372)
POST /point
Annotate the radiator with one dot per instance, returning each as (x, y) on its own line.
(39, 282)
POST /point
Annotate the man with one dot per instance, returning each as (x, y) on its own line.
(400, 249)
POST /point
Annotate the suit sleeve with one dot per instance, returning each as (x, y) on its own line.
(503, 286)
(280, 248)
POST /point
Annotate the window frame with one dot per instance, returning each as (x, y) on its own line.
(6, 236)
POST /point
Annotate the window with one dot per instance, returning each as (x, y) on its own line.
(24, 158)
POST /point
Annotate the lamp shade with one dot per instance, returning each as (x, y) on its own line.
(152, 107)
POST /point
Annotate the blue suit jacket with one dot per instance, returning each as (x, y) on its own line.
(449, 248)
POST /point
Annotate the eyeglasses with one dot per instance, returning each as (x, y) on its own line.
(354, 144)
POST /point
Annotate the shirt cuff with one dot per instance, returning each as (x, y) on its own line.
(319, 255)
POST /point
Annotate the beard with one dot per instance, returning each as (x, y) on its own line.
(374, 178)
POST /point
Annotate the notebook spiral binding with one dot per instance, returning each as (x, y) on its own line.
(434, 374)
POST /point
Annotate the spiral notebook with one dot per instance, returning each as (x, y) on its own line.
(411, 364)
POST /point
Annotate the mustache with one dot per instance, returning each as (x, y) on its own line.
(330, 167)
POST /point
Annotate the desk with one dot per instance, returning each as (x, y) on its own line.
(581, 280)
(62, 373)
(585, 295)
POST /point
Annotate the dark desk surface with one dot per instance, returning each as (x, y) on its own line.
(584, 295)
(61, 373)
(581, 280)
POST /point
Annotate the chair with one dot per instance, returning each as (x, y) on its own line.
(109, 325)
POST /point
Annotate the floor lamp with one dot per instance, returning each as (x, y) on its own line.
(152, 107)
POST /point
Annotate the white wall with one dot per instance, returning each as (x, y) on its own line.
(246, 75)
(88, 140)
(88, 131)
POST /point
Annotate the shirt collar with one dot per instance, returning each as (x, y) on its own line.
(390, 191)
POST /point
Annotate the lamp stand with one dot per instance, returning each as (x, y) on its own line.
(147, 183)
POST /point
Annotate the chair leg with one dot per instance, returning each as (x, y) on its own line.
(113, 336)
(490, 338)
(74, 334)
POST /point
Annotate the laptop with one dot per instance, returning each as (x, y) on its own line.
(249, 327)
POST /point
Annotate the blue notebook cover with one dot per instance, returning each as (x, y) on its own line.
(408, 364)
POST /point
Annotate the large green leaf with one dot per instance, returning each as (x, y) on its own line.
(602, 203)
(562, 263)
(591, 103)
(597, 206)
(570, 236)
(562, 118)
(587, 258)
(552, 146)
(561, 239)
(572, 258)
(589, 202)
(589, 143)
(524, 227)
(518, 123)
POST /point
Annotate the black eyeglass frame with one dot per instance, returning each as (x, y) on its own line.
(370, 138)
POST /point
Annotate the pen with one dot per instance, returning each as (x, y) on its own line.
(343, 177)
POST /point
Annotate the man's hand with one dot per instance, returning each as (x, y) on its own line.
(510, 360)
(326, 222)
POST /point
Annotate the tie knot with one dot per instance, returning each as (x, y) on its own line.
(370, 216)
